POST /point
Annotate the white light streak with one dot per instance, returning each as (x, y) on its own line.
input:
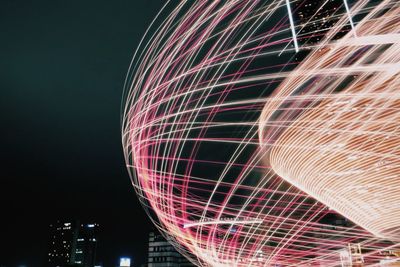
(350, 17)
(292, 27)
(232, 222)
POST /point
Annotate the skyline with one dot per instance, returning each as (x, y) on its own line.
(248, 133)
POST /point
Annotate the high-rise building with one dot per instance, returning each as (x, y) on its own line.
(62, 243)
(72, 243)
(314, 18)
(85, 253)
(163, 254)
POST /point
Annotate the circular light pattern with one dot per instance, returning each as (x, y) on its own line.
(342, 143)
(246, 153)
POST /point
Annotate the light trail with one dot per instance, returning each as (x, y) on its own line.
(217, 125)
(346, 5)
(374, 165)
(218, 222)
(292, 27)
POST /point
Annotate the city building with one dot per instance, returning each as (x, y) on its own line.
(62, 245)
(162, 254)
(72, 244)
(85, 253)
(314, 18)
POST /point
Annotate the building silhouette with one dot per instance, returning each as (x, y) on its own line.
(85, 253)
(162, 254)
(62, 245)
(72, 244)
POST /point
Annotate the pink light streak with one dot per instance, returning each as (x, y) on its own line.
(239, 153)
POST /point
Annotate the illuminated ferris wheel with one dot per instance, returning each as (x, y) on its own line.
(266, 133)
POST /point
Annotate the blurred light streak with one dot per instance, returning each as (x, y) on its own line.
(215, 125)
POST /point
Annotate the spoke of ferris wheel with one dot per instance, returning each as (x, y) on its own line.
(296, 45)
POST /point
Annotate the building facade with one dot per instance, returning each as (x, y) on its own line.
(72, 244)
(85, 253)
(162, 254)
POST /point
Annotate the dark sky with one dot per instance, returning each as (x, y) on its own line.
(62, 68)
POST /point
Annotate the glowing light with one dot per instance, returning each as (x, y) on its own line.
(242, 157)
(124, 262)
(230, 221)
(343, 148)
(346, 5)
(292, 27)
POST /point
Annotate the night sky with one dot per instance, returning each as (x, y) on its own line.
(62, 69)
